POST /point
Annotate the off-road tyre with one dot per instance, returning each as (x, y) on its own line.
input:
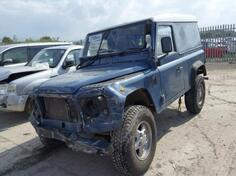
(124, 154)
(191, 97)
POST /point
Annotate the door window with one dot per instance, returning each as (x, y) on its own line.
(16, 55)
(75, 54)
(34, 50)
(163, 31)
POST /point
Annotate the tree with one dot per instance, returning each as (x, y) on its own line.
(29, 40)
(45, 39)
(7, 40)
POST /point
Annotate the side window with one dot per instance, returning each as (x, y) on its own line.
(16, 55)
(187, 36)
(163, 31)
(74, 55)
(34, 50)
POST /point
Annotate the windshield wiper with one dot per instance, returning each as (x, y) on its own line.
(91, 60)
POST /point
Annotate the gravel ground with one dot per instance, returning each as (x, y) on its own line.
(187, 145)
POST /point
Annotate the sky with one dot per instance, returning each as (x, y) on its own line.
(73, 19)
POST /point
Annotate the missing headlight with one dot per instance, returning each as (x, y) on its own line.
(94, 107)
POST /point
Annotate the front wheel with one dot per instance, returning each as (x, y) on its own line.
(134, 144)
(195, 97)
(50, 143)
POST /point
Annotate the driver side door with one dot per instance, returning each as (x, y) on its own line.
(170, 69)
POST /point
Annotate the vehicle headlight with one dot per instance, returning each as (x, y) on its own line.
(11, 89)
(94, 107)
(3, 89)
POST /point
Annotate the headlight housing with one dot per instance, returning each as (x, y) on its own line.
(3, 89)
(94, 107)
(11, 89)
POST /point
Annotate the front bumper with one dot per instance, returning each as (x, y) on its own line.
(13, 102)
(76, 142)
(90, 135)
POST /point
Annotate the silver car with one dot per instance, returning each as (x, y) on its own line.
(16, 83)
(20, 54)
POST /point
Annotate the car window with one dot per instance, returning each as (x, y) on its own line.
(50, 57)
(17, 55)
(163, 31)
(34, 50)
(116, 40)
(187, 36)
(75, 54)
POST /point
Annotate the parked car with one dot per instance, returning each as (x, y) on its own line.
(16, 83)
(20, 54)
(127, 75)
(214, 50)
(232, 47)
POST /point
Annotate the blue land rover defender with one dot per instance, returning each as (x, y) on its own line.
(128, 75)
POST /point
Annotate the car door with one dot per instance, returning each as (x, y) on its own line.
(170, 68)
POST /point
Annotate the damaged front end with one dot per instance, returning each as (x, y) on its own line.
(83, 120)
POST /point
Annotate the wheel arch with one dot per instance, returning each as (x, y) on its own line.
(199, 68)
(140, 97)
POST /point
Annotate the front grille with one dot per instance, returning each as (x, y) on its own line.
(57, 109)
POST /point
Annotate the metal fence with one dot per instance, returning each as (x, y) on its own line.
(219, 43)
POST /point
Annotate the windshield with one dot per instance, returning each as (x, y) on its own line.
(50, 57)
(116, 40)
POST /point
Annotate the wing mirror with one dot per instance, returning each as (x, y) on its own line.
(69, 62)
(7, 61)
(166, 44)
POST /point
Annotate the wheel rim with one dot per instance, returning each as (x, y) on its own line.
(200, 95)
(143, 140)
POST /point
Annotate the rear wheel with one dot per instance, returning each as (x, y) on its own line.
(195, 97)
(134, 144)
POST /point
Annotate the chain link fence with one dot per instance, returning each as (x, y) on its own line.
(219, 43)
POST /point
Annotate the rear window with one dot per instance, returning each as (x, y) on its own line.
(186, 36)
(17, 55)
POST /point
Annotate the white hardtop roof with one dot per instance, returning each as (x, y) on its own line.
(160, 18)
(175, 18)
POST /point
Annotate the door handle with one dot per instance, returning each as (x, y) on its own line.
(179, 69)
